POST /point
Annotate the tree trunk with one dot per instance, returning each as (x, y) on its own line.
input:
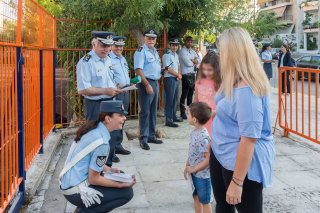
(137, 34)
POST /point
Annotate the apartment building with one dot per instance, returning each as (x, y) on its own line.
(309, 22)
(300, 19)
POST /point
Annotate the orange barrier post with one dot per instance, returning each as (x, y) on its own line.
(299, 108)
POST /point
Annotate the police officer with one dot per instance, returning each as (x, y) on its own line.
(147, 65)
(81, 180)
(172, 76)
(94, 75)
(121, 79)
(189, 61)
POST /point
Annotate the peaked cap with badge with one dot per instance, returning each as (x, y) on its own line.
(151, 33)
(103, 36)
(119, 40)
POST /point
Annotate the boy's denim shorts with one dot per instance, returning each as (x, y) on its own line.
(202, 189)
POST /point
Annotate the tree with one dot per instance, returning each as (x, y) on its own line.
(265, 24)
(131, 17)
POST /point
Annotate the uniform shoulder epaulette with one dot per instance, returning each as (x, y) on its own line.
(166, 51)
(140, 48)
(87, 57)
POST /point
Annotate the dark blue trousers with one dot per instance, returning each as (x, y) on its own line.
(171, 86)
(117, 135)
(148, 111)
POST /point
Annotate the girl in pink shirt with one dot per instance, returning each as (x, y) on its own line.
(207, 84)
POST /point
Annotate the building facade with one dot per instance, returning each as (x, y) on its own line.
(300, 21)
(309, 26)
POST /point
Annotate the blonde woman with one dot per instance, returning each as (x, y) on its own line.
(243, 149)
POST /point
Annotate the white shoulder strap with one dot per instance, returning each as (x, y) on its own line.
(92, 146)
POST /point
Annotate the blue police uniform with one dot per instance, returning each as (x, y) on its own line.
(149, 62)
(171, 84)
(93, 71)
(95, 160)
(121, 79)
(90, 153)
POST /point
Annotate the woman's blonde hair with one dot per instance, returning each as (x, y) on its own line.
(239, 61)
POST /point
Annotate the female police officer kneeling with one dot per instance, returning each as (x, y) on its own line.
(81, 181)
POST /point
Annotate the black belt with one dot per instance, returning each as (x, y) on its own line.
(189, 74)
(99, 100)
(151, 79)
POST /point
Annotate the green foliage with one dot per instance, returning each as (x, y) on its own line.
(51, 6)
(265, 24)
(277, 42)
(307, 20)
(312, 43)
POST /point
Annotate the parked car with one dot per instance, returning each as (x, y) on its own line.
(311, 61)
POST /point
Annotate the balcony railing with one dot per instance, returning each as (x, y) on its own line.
(314, 25)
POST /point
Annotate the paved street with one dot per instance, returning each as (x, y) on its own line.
(161, 188)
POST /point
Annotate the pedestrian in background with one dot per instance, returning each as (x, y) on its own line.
(121, 78)
(208, 83)
(95, 76)
(285, 60)
(147, 65)
(172, 76)
(188, 61)
(243, 150)
(266, 57)
(197, 166)
(199, 54)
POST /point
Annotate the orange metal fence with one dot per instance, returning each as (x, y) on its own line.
(9, 176)
(69, 105)
(31, 103)
(298, 102)
(27, 32)
(48, 92)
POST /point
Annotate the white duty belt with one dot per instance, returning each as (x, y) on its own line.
(88, 195)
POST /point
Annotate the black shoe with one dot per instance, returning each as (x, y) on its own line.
(122, 151)
(171, 124)
(178, 120)
(156, 141)
(77, 210)
(184, 116)
(144, 146)
(115, 159)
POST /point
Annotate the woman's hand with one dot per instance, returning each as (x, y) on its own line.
(115, 170)
(234, 193)
(126, 185)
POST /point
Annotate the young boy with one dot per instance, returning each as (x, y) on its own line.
(198, 157)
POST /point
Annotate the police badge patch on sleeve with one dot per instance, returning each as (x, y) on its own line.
(101, 160)
(87, 57)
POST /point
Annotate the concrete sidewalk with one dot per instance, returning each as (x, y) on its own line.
(161, 187)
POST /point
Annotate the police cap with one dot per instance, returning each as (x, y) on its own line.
(113, 106)
(174, 41)
(119, 40)
(103, 36)
(151, 33)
